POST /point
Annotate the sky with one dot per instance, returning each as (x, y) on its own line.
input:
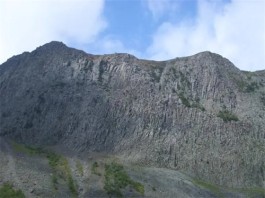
(149, 29)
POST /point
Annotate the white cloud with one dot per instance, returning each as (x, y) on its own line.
(26, 24)
(235, 30)
(159, 7)
(109, 44)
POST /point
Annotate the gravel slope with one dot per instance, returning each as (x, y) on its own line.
(33, 175)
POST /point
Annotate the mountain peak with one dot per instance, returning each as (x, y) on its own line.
(153, 112)
(53, 45)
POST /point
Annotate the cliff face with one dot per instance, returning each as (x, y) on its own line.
(198, 114)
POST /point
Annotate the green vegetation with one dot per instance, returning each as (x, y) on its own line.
(251, 87)
(253, 192)
(184, 80)
(248, 84)
(26, 149)
(156, 74)
(101, 69)
(7, 191)
(262, 99)
(227, 116)
(184, 100)
(53, 159)
(198, 106)
(58, 163)
(211, 187)
(174, 71)
(94, 169)
(116, 179)
(248, 192)
(72, 186)
(54, 182)
(241, 84)
(79, 168)
(63, 170)
(247, 87)
(191, 104)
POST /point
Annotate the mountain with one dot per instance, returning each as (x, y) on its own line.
(199, 114)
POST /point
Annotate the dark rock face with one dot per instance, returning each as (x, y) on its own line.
(176, 113)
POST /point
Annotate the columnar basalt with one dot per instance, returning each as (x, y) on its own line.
(199, 114)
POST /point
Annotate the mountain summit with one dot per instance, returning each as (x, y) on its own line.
(198, 114)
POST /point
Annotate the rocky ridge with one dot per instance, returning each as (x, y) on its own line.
(197, 114)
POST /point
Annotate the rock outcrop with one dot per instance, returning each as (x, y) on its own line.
(198, 114)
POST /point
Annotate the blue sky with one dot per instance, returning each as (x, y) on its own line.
(133, 23)
(151, 29)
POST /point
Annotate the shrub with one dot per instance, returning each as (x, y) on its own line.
(251, 87)
(94, 169)
(54, 182)
(198, 106)
(53, 159)
(72, 186)
(227, 116)
(184, 100)
(262, 99)
(116, 179)
(7, 191)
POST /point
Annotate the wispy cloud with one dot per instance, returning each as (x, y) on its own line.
(160, 7)
(109, 44)
(26, 24)
(235, 30)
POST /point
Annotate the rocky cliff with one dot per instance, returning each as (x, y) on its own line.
(198, 114)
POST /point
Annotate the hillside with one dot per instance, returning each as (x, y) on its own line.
(199, 114)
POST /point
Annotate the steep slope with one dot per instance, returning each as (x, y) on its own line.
(198, 114)
(29, 169)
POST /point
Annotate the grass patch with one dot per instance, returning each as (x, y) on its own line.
(116, 179)
(94, 169)
(58, 163)
(80, 168)
(211, 187)
(227, 116)
(72, 186)
(54, 182)
(253, 192)
(53, 159)
(21, 148)
(137, 186)
(7, 191)
(62, 169)
(248, 192)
